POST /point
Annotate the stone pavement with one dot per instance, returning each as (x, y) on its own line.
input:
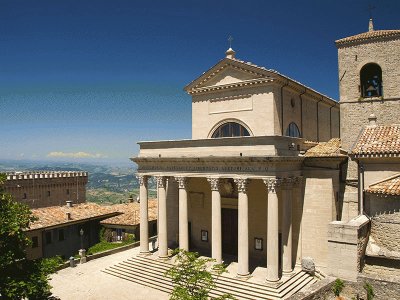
(87, 282)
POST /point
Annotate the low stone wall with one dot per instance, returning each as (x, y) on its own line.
(103, 253)
(385, 288)
(317, 291)
(347, 242)
(385, 230)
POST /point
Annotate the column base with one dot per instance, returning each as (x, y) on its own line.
(146, 253)
(287, 272)
(272, 283)
(243, 276)
(163, 258)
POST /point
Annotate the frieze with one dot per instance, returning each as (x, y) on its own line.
(208, 169)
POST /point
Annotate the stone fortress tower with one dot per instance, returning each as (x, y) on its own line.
(369, 86)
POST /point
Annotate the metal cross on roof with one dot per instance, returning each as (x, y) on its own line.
(370, 8)
(230, 39)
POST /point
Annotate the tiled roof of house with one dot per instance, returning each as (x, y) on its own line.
(388, 186)
(369, 35)
(57, 215)
(131, 213)
(380, 140)
(323, 149)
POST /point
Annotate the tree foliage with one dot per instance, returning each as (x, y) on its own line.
(194, 277)
(20, 278)
(337, 287)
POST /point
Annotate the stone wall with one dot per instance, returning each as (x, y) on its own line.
(346, 247)
(42, 189)
(385, 230)
(385, 288)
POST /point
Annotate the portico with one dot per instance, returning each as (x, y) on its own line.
(270, 192)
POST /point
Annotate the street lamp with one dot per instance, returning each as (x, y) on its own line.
(81, 233)
(82, 252)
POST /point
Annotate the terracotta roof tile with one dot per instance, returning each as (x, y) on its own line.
(389, 186)
(323, 149)
(378, 140)
(369, 35)
(131, 213)
(57, 215)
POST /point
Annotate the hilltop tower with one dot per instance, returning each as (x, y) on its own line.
(369, 79)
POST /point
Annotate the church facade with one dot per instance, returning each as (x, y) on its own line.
(263, 182)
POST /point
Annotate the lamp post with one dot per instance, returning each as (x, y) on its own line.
(82, 252)
(81, 234)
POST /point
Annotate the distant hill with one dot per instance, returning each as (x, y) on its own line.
(109, 178)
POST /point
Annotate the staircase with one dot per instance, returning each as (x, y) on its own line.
(150, 272)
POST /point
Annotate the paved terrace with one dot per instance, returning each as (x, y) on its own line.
(88, 282)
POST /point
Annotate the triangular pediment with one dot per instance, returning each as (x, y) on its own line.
(227, 76)
(226, 72)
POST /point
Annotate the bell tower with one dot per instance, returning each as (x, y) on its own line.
(369, 85)
(369, 81)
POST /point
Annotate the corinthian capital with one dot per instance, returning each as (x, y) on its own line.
(242, 184)
(182, 182)
(161, 181)
(215, 183)
(143, 179)
(272, 184)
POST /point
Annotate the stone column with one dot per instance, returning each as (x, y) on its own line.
(216, 219)
(144, 215)
(183, 213)
(272, 230)
(243, 228)
(287, 187)
(297, 217)
(162, 217)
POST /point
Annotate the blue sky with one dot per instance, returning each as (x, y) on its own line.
(89, 79)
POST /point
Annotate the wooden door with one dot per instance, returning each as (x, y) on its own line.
(229, 231)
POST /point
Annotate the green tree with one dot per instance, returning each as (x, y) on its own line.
(370, 291)
(191, 279)
(337, 287)
(20, 278)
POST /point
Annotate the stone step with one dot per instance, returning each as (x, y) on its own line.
(167, 265)
(150, 272)
(221, 286)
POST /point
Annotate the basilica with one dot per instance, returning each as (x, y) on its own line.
(278, 175)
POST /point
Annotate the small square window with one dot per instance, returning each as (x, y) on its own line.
(258, 244)
(48, 237)
(61, 235)
(204, 236)
(35, 242)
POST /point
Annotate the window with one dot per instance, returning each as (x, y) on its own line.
(67, 191)
(61, 235)
(230, 129)
(48, 193)
(24, 196)
(48, 237)
(35, 242)
(371, 81)
(293, 130)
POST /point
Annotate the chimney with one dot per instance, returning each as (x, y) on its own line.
(68, 216)
(69, 203)
(372, 120)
